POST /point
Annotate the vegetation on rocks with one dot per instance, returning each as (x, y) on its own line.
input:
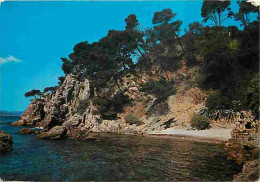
(161, 89)
(146, 66)
(145, 72)
(110, 107)
(200, 122)
(82, 106)
(33, 93)
(131, 119)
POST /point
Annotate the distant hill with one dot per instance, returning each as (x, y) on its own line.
(11, 113)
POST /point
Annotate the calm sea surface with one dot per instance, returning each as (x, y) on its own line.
(115, 157)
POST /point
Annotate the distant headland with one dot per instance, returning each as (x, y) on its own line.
(10, 113)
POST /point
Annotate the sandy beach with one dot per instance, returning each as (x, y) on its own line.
(218, 134)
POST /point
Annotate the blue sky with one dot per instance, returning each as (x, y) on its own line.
(35, 35)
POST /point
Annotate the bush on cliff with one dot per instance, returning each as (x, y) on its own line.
(131, 119)
(50, 89)
(200, 122)
(82, 106)
(61, 80)
(158, 108)
(34, 93)
(218, 101)
(161, 89)
(110, 107)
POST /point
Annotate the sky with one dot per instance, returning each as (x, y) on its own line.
(35, 35)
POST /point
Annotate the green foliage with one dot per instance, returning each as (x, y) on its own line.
(67, 65)
(251, 95)
(200, 80)
(33, 93)
(165, 30)
(217, 101)
(228, 58)
(131, 119)
(50, 89)
(82, 106)
(234, 44)
(215, 11)
(163, 16)
(61, 80)
(200, 122)
(158, 108)
(161, 89)
(245, 8)
(110, 107)
(131, 22)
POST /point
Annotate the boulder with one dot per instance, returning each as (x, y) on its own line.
(6, 142)
(19, 123)
(250, 172)
(58, 132)
(92, 137)
(72, 122)
(26, 131)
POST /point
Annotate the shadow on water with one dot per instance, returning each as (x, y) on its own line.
(115, 157)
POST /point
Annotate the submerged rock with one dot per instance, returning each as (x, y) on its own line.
(92, 137)
(6, 142)
(26, 131)
(250, 172)
(58, 132)
(83, 135)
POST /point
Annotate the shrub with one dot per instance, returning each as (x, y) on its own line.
(200, 122)
(50, 89)
(251, 95)
(131, 119)
(61, 80)
(82, 106)
(95, 112)
(160, 89)
(217, 101)
(34, 93)
(105, 108)
(200, 80)
(158, 108)
(110, 107)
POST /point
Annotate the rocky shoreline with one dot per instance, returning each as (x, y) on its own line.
(6, 142)
(244, 152)
(60, 115)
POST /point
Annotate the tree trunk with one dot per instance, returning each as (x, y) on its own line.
(117, 85)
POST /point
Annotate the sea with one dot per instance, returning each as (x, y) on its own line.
(113, 158)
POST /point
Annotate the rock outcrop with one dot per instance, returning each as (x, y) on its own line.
(70, 107)
(61, 110)
(26, 131)
(250, 172)
(33, 115)
(6, 142)
(57, 132)
(247, 153)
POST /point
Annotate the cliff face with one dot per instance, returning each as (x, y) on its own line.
(61, 108)
(69, 106)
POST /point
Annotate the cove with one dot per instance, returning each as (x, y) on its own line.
(114, 157)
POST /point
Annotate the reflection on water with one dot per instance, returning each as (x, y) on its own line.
(115, 157)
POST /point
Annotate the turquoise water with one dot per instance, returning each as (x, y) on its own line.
(115, 157)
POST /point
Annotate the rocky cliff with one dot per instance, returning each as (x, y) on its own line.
(69, 107)
(60, 108)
